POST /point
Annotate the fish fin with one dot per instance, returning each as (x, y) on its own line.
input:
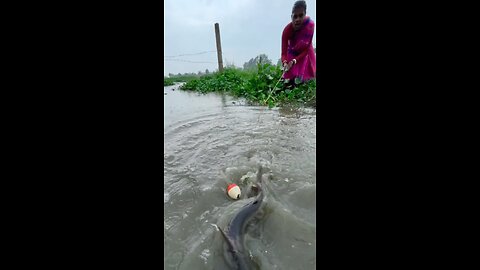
(229, 241)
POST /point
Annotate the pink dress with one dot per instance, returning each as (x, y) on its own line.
(298, 45)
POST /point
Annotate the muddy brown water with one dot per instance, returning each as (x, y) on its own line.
(212, 140)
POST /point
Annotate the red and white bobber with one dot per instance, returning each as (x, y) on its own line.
(234, 191)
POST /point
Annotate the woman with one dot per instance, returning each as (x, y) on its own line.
(298, 56)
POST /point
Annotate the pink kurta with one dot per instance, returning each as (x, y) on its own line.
(298, 45)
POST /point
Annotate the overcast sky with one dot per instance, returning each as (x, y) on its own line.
(247, 28)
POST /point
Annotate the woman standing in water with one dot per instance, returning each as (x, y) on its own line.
(298, 56)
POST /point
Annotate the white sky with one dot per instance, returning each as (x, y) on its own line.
(247, 28)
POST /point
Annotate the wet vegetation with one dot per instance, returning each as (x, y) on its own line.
(261, 85)
(179, 78)
(167, 81)
(184, 78)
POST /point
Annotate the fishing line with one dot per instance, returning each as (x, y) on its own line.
(271, 91)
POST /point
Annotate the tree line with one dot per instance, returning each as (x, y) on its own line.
(250, 65)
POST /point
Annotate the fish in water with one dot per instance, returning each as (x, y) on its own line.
(236, 228)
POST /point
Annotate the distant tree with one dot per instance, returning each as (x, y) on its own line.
(179, 74)
(229, 64)
(206, 71)
(260, 59)
(171, 75)
(249, 65)
(263, 59)
(279, 62)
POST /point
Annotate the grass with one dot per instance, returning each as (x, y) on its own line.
(261, 86)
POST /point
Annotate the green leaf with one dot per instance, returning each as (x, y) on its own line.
(270, 104)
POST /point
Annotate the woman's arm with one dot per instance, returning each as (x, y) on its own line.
(287, 31)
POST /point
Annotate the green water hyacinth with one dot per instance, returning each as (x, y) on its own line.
(260, 86)
(167, 82)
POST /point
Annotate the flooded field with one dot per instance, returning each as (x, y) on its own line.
(213, 140)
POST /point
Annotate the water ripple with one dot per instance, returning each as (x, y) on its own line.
(204, 151)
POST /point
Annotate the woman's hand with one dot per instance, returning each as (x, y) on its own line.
(287, 67)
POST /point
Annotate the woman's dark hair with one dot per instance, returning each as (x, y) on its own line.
(300, 4)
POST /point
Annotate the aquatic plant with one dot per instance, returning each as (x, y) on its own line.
(167, 82)
(261, 86)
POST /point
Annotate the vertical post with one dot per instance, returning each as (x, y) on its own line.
(219, 48)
